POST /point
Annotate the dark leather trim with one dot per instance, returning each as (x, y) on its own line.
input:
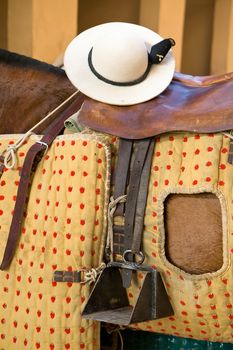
(142, 200)
(26, 173)
(122, 172)
(121, 175)
(133, 189)
(230, 153)
(195, 104)
(130, 240)
(67, 276)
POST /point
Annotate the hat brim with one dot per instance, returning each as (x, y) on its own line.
(81, 76)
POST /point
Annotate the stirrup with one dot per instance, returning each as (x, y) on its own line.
(108, 301)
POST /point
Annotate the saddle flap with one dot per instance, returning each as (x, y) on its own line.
(188, 104)
(109, 301)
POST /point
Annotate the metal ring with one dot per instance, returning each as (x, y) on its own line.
(135, 254)
(44, 144)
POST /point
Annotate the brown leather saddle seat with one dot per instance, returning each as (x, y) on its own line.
(188, 104)
(195, 104)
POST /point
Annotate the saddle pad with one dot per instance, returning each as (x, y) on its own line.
(189, 163)
(63, 229)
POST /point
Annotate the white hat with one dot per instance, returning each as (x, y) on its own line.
(112, 63)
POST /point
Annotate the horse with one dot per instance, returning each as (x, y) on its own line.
(29, 89)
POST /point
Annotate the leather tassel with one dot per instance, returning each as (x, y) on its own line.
(160, 50)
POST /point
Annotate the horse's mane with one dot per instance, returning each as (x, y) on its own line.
(18, 60)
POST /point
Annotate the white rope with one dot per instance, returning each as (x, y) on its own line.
(228, 134)
(54, 111)
(91, 275)
(111, 210)
(117, 330)
(9, 154)
(121, 339)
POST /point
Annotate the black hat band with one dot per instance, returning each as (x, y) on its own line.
(156, 56)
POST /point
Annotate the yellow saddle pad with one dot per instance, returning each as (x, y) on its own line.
(188, 163)
(63, 229)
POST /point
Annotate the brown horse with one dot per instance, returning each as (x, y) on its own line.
(29, 89)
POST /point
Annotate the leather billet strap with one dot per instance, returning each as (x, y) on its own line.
(230, 153)
(131, 209)
(135, 239)
(68, 276)
(133, 190)
(136, 245)
(121, 176)
(122, 171)
(129, 237)
(31, 161)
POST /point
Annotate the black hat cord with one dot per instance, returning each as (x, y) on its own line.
(157, 53)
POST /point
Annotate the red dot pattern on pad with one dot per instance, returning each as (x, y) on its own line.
(62, 230)
(191, 163)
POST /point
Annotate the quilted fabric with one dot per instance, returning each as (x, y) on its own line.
(64, 229)
(38, 313)
(203, 304)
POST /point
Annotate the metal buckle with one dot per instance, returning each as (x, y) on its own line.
(134, 255)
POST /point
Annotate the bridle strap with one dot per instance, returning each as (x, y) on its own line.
(32, 159)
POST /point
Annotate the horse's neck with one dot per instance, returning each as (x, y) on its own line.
(28, 93)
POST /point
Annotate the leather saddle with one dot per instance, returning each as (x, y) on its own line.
(195, 104)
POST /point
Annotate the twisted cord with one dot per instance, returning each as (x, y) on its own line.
(111, 210)
(9, 154)
(91, 275)
(111, 329)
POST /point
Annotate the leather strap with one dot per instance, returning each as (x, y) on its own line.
(131, 205)
(68, 276)
(230, 153)
(139, 194)
(1, 165)
(31, 161)
(141, 201)
(122, 171)
(118, 240)
(133, 190)
(120, 185)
